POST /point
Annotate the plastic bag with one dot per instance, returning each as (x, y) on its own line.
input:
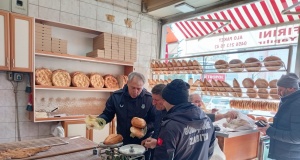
(218, 154)
(57, 130)
(242, 122)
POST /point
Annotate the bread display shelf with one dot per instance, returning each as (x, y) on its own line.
(40, 87)
(82, 58)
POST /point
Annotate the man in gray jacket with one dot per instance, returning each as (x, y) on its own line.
(285, 132)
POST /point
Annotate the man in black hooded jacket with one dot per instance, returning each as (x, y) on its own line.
(186, 132)
(131, 101)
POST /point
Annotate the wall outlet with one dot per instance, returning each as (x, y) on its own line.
(10, 76)
(18, 77)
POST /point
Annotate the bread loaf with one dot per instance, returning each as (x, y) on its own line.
(113, 139)
(137, 132)
(251, 116)
(138, 122)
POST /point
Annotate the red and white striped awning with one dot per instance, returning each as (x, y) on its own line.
(258, 14)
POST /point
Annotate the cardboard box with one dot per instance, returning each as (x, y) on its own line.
(96, 54)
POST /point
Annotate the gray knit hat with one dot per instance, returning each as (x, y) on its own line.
(289, 80)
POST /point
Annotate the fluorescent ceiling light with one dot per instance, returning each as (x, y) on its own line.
(184, 7)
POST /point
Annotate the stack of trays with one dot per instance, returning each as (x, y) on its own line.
(121, 48)
(59, 46)
(103, 42)
(133, 50)
(42, 37)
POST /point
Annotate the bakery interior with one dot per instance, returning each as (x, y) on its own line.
(60, 60)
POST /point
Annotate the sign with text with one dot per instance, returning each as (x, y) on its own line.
(215, 76)
(245, 39)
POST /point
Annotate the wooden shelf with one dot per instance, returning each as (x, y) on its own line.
(40, 87)
(67, 118)
(82, 58)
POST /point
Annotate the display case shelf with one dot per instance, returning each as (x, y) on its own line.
(66, 118)
(82, 58)
(40, 87)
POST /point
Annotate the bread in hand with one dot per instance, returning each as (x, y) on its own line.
(137, 132)
(138, 122)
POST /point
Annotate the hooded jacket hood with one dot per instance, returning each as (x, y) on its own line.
(187, 114)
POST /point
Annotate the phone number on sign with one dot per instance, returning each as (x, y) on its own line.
(227, 45)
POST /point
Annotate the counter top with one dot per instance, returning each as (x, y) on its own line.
(230, 134)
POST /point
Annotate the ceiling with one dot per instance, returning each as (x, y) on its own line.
(170, 10)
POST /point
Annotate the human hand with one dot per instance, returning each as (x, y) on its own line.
(149, 143)
(94, 122)
(263, 130)
(231, 115)
(214, 110)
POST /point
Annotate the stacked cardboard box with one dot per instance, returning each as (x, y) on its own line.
(127, 49)
(114, 47)
(96, 54)
(133, 50)
(42, 37)
(103, 42)
(59, 45)
(121, 48)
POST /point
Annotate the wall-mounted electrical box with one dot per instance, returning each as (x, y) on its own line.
(19, 6)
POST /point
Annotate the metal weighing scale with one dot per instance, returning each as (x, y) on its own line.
(119, 152)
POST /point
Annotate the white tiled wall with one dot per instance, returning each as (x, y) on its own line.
(28, 129)
(85, 13)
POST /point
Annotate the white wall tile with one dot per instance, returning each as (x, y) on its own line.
(45, 128)
(102, 12)
(23, 114)
(104, 26)
(145, 50)
(35, 2)
(131, 33)
(154, 26)
(146, 26)
(29, 129)
(120, 18)
(94, 2)
(7, 98)
(7, 114)
(105, 5)
(69, 18)
(53, 4)
(120, 30)
(138, 37)
(154, 40)
(123, 3)
(154, 52)
(7, 130)
(134, 7)
(88, 10)
(145, 38)
(7, 140)
(88, 23)
(48, 14)
(33, 10)
(70, 6)
(133, 13)
(22, 97)
(109, 1)
(4, 83)
(138, 2)
(120, 9)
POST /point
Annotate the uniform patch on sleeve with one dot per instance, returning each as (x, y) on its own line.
(159, 141)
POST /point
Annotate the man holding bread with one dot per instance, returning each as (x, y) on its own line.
(133, 108)
(284, 133)
(186, 133)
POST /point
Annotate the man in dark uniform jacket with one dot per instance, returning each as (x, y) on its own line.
(131, 101)
(186, 132)
(284, 133)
